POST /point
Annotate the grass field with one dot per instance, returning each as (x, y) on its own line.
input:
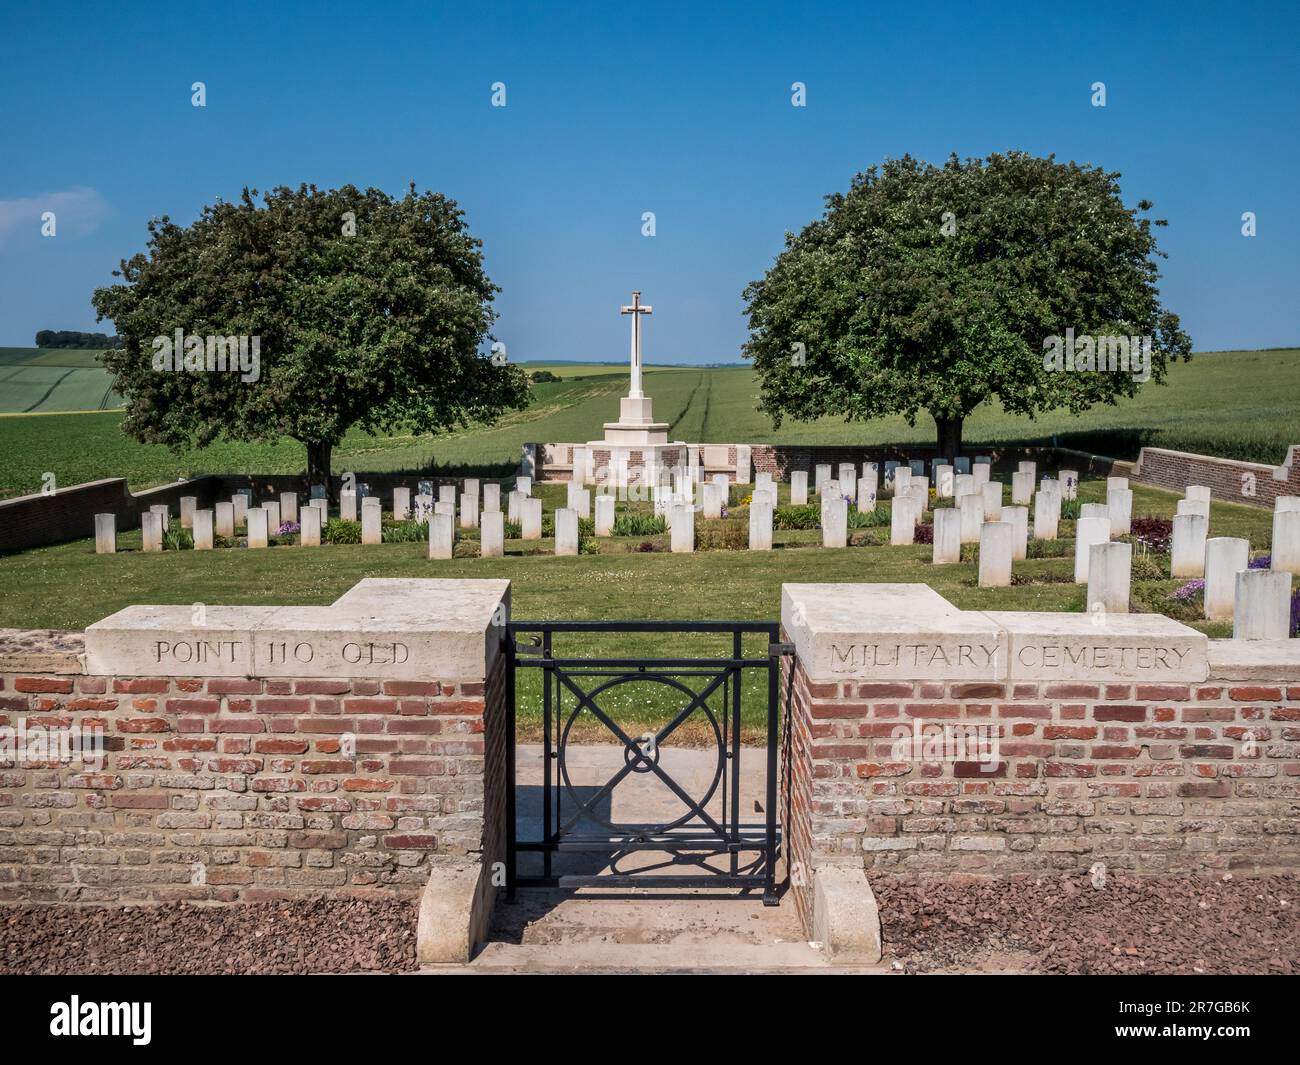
(37, 381)
(1233, 404)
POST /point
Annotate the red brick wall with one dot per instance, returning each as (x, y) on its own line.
(1146, 778)
(797, 785)
(1231, 481)
(249, 779)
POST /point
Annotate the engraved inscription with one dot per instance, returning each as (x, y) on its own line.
(199, 652)
(912, 656)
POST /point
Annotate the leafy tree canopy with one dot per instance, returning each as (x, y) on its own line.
(933, 289)
(367, 310)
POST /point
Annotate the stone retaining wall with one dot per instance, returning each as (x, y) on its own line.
(1229, 480)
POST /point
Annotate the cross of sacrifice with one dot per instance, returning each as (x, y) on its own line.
(636, 309)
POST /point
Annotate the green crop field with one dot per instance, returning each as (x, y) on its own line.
(1234, 404)
(40, 381)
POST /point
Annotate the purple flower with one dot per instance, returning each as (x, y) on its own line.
(1187, 592)
(1295, 613)
(287, 528)
(1263, 562)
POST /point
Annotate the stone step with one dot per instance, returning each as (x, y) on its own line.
(610, 958)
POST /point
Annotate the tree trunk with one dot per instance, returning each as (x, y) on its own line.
(948, 436)
(318, 462)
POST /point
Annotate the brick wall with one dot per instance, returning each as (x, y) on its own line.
(1150, 778)
(1229, 480)
(245, 786)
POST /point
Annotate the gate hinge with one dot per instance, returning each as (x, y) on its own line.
(777, 650)
(529, 646)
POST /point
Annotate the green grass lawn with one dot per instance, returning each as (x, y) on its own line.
(1233, 404)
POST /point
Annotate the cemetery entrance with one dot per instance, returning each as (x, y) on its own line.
(643, 754)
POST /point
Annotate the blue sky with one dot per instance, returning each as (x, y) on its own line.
(614, 110)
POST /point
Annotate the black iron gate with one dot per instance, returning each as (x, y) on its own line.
(575, 824)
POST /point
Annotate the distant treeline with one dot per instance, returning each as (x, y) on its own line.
(70, 338)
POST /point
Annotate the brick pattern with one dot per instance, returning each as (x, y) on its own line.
(1233, 482)
(1146, 778)
(248, 783)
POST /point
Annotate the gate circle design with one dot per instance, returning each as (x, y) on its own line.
(588, 699)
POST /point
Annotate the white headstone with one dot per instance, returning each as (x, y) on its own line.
(105, 534)
(1029, 467)
(835, 523)
(202, 526)
(469, 511)
(1094, 510)
(401, 504)
(580, 501)
(1110, 568)
(902, 521)
(188, 505)
(1286, 541)
(683, 526)
(1199, 491)
(713, 496)
(424, 505)
(447, 494)
(1069, 483)
(309, 523)
(512, 505)
(760, 527)
(491, 497)
(762, 479)
(471, 486)
(1018, 519)
(273, 519)
(289, 506)
(1116, 482)
(1225, 557)
(798, 487)
(744, 463)
(372, 527)
(995, 554)
(947, 535)
(530, 519)
(566, 531)
(1088, 532)
(348, 504)
(868, 488)
(846, 473)
(492, 535)
(224, 519)
(1119, 501)
(258, 526)
(1194, 506)
(239, 509)
(823, 474)
(963, 484)
(163, 513)
(1047, 514)
(971, 507)
(919, 496)
(1187, 548)
(605, 507)
(523, 484)
(1022, 487)
(442, 535)
(945, 481)
(151, 528)
(1263, 606)
(1286, 504)
(902, 480)
(992, 493)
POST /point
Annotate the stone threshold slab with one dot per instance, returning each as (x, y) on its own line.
(909, 632)
(394, 629)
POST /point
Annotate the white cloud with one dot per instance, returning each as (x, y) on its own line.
(78, 212)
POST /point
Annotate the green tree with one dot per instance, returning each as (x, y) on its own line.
(935, 289)
(368, 311)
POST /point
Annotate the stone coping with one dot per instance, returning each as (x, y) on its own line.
(909, 632)
(390, 628)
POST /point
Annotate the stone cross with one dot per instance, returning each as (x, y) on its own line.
(636, 309)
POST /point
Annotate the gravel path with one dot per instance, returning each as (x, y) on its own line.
(1066, 925)
(305, 936)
